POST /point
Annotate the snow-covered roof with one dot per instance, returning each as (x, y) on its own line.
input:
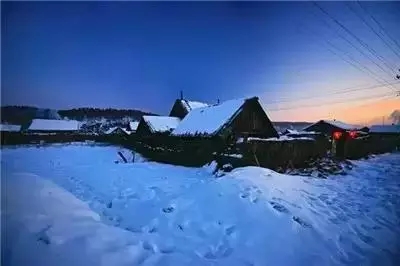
(190, 105)
(295, 132)
(385, 129)
(126, 131)
(208, 120)
(337, 123)
(54, 125)
(161, 123)
(133, 125)
(111, 130)
(10, 128)
(282, 138)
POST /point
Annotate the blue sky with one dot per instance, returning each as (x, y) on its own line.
(141, 54)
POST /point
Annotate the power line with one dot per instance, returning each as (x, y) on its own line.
(371, 28)
(354, 63)
(372, 51)
(343, 91)
(379, 25)
(376, 97)
(355, 47)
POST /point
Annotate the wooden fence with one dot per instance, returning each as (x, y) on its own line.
(283, 154)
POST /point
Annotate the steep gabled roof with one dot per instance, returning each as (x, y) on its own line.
(54, 125)
(10, 128)
(209, 120)
(385, 129)
(159, 124)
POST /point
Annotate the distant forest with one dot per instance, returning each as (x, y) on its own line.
(109, 113)
(23, 115)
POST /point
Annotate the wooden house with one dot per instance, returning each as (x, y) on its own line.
(46, 126)
(234, 119)
(327, 127)
(149, 125)
(182, 107)
(9, 133)
(385, 130)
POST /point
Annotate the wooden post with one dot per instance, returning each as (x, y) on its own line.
(123, 157)
(254, 149)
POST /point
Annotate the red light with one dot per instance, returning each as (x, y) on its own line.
(353, 134)
(337, 135)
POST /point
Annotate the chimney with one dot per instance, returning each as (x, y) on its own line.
(181, 95)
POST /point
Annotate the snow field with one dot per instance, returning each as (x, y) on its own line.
(169, 215)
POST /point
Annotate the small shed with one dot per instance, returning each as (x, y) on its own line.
(393, 130)
(149, 125)
(53, 126)
(182, 107)
(234, 118)
(327, 127)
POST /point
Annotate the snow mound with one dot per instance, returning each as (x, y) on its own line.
(55, 228)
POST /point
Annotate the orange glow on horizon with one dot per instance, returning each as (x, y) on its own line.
(368, 113)
(364, 114)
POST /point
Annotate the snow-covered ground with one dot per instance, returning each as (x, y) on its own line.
(73, 205)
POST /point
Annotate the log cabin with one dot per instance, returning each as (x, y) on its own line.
(234, 118)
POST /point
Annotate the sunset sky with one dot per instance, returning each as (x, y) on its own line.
(304, 63)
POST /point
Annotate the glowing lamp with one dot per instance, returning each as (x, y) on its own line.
(353, 134)
(337, 135)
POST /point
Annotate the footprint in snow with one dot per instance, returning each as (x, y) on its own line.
(279, 207)
(166, 248)
(133, 229)
(222, 250)
(147, 246)
(43, 237)
(230, 230)
(251, 193)
(168, 209)
(245, 194)
(301, 221)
